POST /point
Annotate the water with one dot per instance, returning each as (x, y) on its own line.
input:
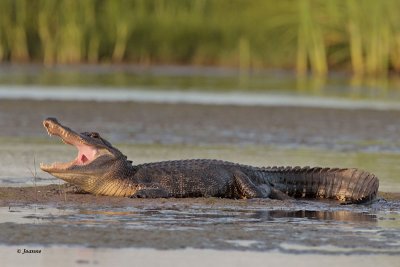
(163, 113)
(70, 256)
(191, 97)
(262, 225)
(339, 85)
(208, 231)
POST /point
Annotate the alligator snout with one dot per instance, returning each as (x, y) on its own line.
(47, 122)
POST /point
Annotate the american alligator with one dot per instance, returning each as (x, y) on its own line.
(102, 169)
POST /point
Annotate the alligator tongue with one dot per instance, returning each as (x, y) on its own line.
(85, 153)
(84, 158)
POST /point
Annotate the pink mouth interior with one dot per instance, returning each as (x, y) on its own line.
(86, 154)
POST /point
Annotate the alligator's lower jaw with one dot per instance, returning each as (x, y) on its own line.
(56, 166)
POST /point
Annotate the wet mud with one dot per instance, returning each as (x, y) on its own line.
(141, 123)
(52, 214)
(64, 194)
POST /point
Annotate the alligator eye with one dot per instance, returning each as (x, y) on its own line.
(94, 135)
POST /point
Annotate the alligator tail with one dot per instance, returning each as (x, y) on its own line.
(345, 185)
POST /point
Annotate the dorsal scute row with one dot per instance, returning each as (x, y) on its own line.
(270, 169)
(296, 169)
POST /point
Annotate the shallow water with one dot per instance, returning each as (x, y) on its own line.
(105, 94)
(72, 256)
(259, 225)
(186, 78)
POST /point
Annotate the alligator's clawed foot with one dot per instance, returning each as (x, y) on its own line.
(150, 193)
(73, 189)
(276, 194)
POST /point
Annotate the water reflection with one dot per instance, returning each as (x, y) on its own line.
(246, 225)
(177, 218)
(206, 79)
(316, 215)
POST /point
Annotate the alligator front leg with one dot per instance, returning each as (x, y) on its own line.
(150, 193)
(71, 188)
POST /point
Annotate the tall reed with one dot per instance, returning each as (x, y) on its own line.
(316, 36)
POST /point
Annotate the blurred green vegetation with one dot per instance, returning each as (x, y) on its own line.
(362, 36)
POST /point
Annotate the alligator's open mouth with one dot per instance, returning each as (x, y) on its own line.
(86, 152)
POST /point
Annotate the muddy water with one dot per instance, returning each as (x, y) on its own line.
(73, 256)
(299, 226)
(83, 229)
(292, 228)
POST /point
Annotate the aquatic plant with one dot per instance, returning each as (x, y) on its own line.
(306, 35)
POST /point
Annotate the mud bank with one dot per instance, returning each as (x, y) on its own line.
(138, 122)
(48, 215)
(62, 194)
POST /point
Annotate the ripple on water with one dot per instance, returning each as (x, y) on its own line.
(317, 229)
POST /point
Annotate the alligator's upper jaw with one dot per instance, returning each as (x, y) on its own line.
(86, 152)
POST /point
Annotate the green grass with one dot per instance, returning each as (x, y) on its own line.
(362, 36)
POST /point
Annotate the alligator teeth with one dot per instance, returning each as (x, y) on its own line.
(48, 132)
(42, 165)
(53, 165)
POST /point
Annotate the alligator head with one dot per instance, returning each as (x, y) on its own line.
(96, 157)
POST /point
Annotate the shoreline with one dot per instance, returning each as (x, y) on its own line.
(60, 194)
